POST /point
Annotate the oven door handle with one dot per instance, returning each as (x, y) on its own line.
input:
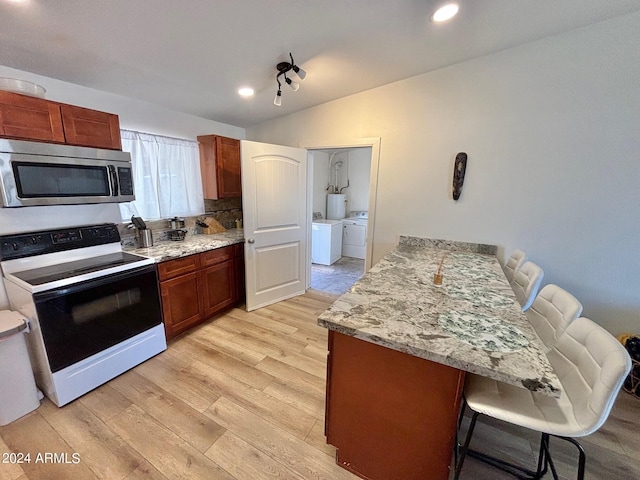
(94, 282)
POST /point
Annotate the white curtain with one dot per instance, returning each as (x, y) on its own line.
(166, 176)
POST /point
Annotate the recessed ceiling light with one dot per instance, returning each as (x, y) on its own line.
(445, 13)
(246, 92)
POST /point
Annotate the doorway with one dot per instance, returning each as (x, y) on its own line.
(342, 188)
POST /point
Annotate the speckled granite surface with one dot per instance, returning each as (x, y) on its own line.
(448, 245)
(168, 250)
(396, 305)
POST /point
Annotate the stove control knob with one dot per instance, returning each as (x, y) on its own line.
(34, 240)
(15, 246)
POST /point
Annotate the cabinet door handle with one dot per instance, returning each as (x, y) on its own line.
(251, 240)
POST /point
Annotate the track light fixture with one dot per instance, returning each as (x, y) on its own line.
(278, 100)
(283, 68)
(294, 85)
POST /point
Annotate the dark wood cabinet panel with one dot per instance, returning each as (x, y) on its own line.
(388, 413)
(28, 118)
(83, 126)
(181, 303)
(238, 250)
(220, 166)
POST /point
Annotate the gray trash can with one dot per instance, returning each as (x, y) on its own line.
(18, 392)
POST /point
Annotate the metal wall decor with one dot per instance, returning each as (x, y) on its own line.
(459, 168)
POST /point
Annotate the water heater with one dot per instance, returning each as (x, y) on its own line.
(336, 206)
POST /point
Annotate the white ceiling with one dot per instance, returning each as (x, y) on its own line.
(193, 55)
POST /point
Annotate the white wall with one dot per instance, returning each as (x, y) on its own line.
(133, 115)
(551, 130)
(359, 160)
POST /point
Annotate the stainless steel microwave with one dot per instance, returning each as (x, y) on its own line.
(34, 173)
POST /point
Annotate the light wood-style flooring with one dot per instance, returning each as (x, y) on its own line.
(241, 397)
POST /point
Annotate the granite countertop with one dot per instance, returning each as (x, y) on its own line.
(472, 321)
(193, 243)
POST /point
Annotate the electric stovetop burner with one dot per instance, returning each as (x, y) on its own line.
(42, 275)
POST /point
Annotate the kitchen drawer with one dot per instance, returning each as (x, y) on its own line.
(179, 266)
(216, 256)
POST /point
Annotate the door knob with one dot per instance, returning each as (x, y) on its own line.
(251, 240)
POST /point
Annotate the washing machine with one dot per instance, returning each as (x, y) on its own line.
(354, 235)
(326, 241)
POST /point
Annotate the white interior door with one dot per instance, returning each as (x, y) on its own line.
(274, 212)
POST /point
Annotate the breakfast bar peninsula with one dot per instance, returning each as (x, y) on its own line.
(399, 348)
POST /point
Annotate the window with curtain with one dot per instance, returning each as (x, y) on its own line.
(166, 176)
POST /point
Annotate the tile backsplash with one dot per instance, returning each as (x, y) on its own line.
(226, 211)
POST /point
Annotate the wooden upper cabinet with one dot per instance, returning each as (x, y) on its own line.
(207, 146)
(220, 166)
(228, 166)
(83, 126)
(30, 118)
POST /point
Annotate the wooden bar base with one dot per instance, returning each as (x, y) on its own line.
(390, 415)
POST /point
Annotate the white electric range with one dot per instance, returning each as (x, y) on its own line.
(94, 311)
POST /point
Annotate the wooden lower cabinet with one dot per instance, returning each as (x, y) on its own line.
(389, 414)
(181, 303)
(196, 287)
(219, 287)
